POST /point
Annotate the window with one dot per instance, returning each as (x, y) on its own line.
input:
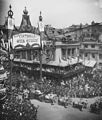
(23, 54)
(36, 55)
(63, 53)
(100, 47)
(68, 52)
(100, 64)
(86, 46)
(93, 55)
(86, 55)
(29, 55)
(92, 46)
(73, 51)
(17, 54)
(100, 56)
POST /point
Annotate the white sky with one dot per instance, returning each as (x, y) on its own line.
(57, 13)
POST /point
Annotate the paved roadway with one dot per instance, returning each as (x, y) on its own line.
(47, 111)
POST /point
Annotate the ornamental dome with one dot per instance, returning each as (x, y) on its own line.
(10, 12)
(25, 11)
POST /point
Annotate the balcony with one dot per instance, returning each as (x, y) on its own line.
(89, 39)
(89, 50)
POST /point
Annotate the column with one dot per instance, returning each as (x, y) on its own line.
(58, 54)
(20, 54)
(71, 52)
(26, 55)
(76, 53)
(97, 58)
(66, 53)
(32, 55)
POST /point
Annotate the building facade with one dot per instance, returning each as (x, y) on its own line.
(81, 41)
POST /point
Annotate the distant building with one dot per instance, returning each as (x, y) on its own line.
(89, 37)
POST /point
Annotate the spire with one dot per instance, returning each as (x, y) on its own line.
(10, 12)
(40, 17)
(25, 11)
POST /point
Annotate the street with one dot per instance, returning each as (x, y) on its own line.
(47, 111)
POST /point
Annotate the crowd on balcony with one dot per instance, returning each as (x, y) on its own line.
(51, 69)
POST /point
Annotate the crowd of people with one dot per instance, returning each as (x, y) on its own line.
(16, 105)
(84, 85)
(16, 108)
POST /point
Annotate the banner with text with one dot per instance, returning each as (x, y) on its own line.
(24, 39)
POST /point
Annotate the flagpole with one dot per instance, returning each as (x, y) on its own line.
(10, 52)
(40, 58)
(41, 29)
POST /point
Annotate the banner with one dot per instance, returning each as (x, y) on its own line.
(24, 39)
(41, 26)
(10, 24)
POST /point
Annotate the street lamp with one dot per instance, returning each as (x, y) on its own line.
(11, 57)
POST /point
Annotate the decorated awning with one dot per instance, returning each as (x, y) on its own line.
(63, 63)
(59, 62)
(89, 63)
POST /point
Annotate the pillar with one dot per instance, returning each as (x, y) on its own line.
(26, 55)
(31, 55)
(71, 52)
(76, 52)
(58, 54)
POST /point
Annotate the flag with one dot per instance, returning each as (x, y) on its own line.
(10, 24)
(41, 26)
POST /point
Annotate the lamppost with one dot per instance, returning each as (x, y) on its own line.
(41, 29)
(11, 56)
(10, 26)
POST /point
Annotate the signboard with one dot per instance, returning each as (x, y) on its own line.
(24, 39)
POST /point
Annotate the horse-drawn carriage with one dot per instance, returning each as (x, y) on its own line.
(35, 94)
(78, 105)
(96, 107)
(64, 101)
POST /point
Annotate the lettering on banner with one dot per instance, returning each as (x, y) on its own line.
(20, 41)
(24, 38)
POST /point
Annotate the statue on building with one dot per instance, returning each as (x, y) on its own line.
(25, 24)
